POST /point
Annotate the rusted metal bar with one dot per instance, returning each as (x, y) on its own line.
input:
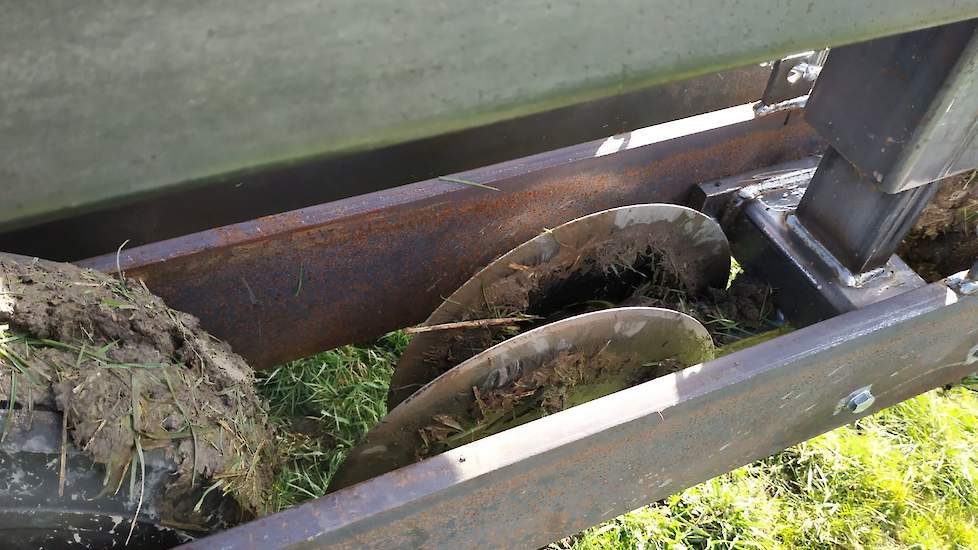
(237, 197)
(597, 460)
(295, 283)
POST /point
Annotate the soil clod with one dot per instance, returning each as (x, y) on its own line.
(944, 241)
(130, 374)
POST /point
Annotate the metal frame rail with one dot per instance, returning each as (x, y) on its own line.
(550, 478)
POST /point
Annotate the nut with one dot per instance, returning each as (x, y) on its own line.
(860, 401)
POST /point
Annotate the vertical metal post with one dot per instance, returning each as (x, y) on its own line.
(856, 221)
(900, 113)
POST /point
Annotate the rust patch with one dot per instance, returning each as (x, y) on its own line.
(384, 261)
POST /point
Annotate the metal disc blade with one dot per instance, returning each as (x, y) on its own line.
(542, 371)
(695, 242)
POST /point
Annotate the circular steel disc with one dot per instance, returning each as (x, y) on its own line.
(685, 232)
(635, 338)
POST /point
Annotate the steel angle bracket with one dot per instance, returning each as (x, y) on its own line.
(758, 212)
(550, 478)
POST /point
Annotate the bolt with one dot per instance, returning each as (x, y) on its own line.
(803, 71)
(860, 401)
(968, 284)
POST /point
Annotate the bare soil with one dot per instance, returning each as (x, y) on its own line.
(131, 374)
(944, 241)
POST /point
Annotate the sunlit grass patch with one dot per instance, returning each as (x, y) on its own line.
(900, 479)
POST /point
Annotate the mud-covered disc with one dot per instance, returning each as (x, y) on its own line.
(539, 372)
(530, 278)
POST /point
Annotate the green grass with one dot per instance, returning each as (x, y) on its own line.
(337, 396)
(903, 478)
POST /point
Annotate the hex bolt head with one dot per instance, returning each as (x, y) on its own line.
(860, 401)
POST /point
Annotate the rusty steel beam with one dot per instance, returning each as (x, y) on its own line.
(296, 283)
(555, 476)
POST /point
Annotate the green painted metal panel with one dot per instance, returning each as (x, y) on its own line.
(103, 101)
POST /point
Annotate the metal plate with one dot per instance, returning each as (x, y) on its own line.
(698, 238)
(902, 108)
(636, 335)
(101, 103)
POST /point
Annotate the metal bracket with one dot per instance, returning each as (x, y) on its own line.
(966, 282)
(899, 113)
(791, 78)
(902, 108)
(758, 212)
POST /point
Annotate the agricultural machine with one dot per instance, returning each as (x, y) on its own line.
(554, 191)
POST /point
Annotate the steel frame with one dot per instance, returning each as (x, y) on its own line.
(550, 478)
(594, 461)
(245, 195)
(354, 268)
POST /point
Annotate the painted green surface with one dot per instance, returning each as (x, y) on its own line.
(101, 101)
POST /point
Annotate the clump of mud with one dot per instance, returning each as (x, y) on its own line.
(131, 374)
(943, 241)
(550, 386)
(563, 380)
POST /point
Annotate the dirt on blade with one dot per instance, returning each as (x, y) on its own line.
(558, 382)
(132, 374)
(944, 240)
(612, 274)
(630, 270)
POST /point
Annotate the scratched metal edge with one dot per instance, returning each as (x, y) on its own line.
(292, 284)
(597, 460)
